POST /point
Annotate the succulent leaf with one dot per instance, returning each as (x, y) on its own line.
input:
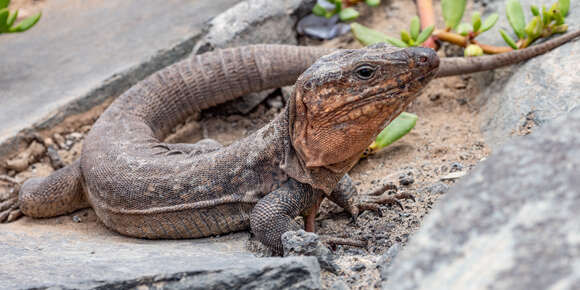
(515, 15)
(348, 14)
(398, 128)
(26, 24)
(453, 11)
(564, 7)
(4, 3)
(373, 3)
(489, 22)
(425, 34)
(508, 39)
(476, 21)
(414, 29)
(464, 28)
(368, 36)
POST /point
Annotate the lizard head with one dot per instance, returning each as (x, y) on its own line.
(344, 100)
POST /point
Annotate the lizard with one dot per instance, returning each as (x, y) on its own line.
(142, 187)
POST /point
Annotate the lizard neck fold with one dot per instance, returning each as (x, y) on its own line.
(318, 177)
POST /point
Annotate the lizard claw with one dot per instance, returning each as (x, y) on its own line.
(9, 210)
(9, 206)
(405, 195)
(374, 201)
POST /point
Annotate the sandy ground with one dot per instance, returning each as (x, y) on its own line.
(445, 143)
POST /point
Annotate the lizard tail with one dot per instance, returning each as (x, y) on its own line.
(171, 95)
(452, 66)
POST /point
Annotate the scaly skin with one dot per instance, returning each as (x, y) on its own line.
(142, 187)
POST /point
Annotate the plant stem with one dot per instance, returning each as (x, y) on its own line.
(463, 41)
(427, 17)
(451, 37)
(490, 49)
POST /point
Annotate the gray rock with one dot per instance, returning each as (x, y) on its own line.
(254, 21)
(456, 166)
(276, 102)
(77, 56)
(287, 92)
(437, 188)
(385, 260)
(65, 254)
(511, 224)
(358, 267)
(406, 178)
(339, 284)
(302, 243)
(535, 92)
(251, 22)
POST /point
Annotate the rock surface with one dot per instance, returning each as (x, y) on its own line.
(535, 92)
(302, 243)
(83, 52)
(511, 224)
(254, 21)
(79, 254)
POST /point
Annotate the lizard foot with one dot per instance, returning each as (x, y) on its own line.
(374, 202)
(9, 206)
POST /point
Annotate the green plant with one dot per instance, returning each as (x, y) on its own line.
(8, 18)
(344, 13)
(543, 24)
(413, 37)
(398, 128)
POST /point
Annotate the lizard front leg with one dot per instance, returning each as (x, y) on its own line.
(274, 214)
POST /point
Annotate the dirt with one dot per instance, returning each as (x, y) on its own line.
(445, 144)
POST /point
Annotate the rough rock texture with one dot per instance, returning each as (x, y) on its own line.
(535, 92)
(302, 243)
(71, 254)
(511, 224)
(254, 21)
(386, 259)
(83, 52)
(70, 258)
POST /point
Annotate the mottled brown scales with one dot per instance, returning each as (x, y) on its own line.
(142, 187)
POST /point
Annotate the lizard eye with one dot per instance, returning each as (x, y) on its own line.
(365, 72)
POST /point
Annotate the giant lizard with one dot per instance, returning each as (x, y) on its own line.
(142, 187)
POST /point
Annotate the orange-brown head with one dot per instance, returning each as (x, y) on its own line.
(346, 98)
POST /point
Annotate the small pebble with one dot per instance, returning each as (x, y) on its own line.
(437, 188)
(339, 285)
(275, 102)
(76, 219)
(434, 97)
(456, 166)
(453, 175)
(406, 178)
(358, 267)
(59, 140)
